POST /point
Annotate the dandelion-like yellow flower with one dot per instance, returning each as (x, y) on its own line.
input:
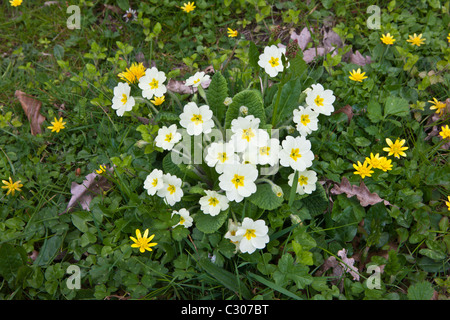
(445, 132)
(12, 186)
(448, 37)
(363, 169)
(396, 148)
(101, 169)
(15, 3)
(133, 73)
(57, 125)
(448, 203)
(158, 100)
(143, 242)
(374, 160)
(232, 33)
(357, 75)
(387, 39)
(439, 106)
(188, 7)
(416, 40)
(385, 164)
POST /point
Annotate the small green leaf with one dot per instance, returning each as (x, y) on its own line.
(252, 100)
(420, 291)
(209, 224)
(216, 94)
(374, 111)
(265, 198)
(396, 106)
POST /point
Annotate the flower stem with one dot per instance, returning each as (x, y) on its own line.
(277, 101)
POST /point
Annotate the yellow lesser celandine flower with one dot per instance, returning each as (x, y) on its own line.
(448, 37)
(101, 169)
(188, 7)
(12, 186)
(416, 40)
(158, 100)
(133, 73)
(232, 33)
(57, 125)
(387, 39)
(448, 203)
(439, 106)
(374, 160)
(143, 242)
(363, 169)
(357, 75)
(385, 164)
(396, 148)
(445, 132)
(15, 3)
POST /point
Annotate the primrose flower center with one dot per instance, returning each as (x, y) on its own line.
(171, 189)
(274, 62)
(264, 151)
(238, 181)
(154, 84)
(318, 101)
(302, 180)
(168, 137)
(222, 157)
(124, 98)
(247, 134)
(304, 119)
(213, 201)
(295, 154)
(197, 119)
(155, 182)
(182, 220)
(197, 81)
(250, 233)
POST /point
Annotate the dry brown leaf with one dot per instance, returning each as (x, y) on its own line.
(359, 59)
(303, 38)
(347, 110)
(361, 192)
(83, 193)
(180, 87)
(31, 107)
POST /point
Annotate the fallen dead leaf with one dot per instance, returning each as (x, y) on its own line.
(359, 59)
(347, 110)
(31, 107)
(91, 187)
(361, 192)
(303, 38)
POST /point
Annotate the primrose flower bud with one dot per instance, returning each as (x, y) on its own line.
(227, 101)
(277, 190)
(243, 110)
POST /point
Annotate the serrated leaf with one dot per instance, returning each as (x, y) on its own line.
(420, 291)
(374, 111)
(264, 198)
(396, 106)
(298, 66)
(209, 224)
(252, 100)
(317, 201)
(216, 94)
(289, 271)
